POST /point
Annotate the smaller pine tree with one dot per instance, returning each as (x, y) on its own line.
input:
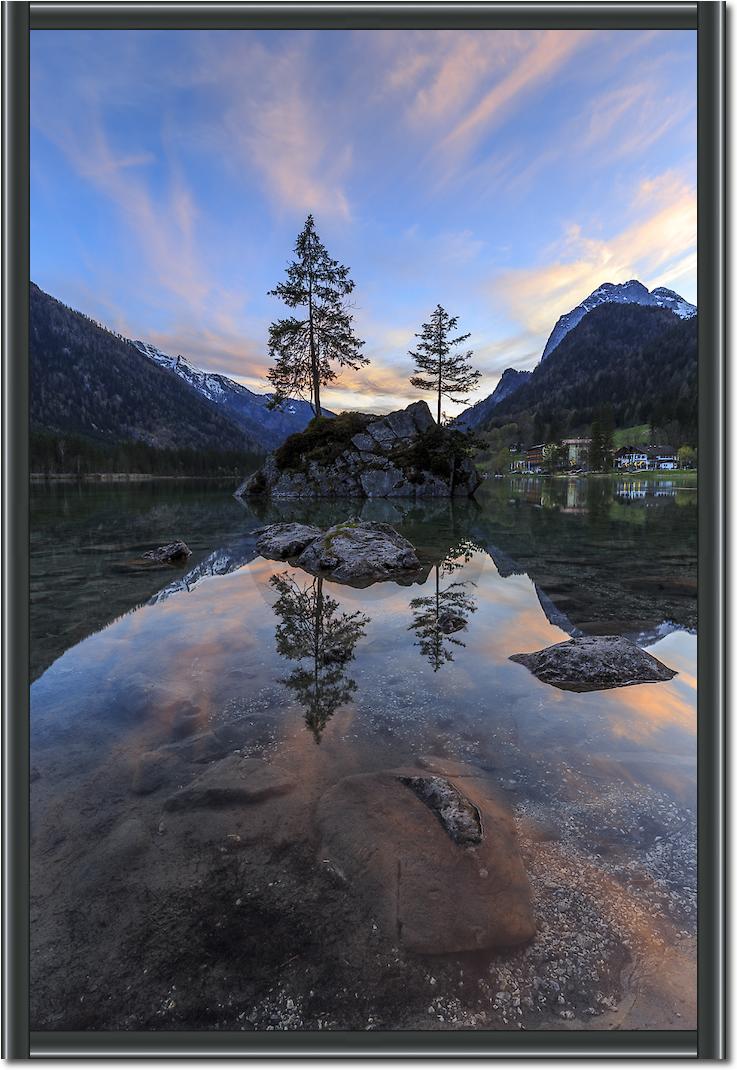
(437, 366)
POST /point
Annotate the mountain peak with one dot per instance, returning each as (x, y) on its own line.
(632, 292)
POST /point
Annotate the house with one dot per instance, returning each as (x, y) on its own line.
(631, 457)
(662, 457)
(531, 461)
(577, 451)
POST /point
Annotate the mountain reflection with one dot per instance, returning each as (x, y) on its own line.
(439, 616)
(313, 632)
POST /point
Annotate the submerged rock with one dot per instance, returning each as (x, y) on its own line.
(152, 770)
(593, 663)
(438, 864)
(402, 455)
(230, 781)
(359, 552)
(173, 553)
(459, 817)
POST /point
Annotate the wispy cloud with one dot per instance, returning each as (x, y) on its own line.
(658, 248)
(549, 51)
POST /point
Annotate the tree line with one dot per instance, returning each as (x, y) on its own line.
(63, 454)
(310, 347)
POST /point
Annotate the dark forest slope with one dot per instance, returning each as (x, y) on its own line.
(639, 361)
(85, 380)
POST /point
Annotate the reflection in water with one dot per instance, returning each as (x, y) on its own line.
(437, 617)
(311, 630)
(140, 694)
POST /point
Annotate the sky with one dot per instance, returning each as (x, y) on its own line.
(503, 174)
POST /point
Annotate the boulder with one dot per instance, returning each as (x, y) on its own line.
(435, 859)
(282, 541)
(172, 554)
(360, 552)
(594, 663)
(231, 781)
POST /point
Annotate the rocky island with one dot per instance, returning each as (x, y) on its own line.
(355, 455)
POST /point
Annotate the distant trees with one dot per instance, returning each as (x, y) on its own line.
(437, 366)
(305, 348)
(686, 457)
(601, 450)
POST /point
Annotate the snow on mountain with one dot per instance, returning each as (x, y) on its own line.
(244, 407)
(632, 292)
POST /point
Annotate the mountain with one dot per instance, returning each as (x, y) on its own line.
(85, 380)
(625, 293)
(639, 360)
(479, 413)
(242, 406)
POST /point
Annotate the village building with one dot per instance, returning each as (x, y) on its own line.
(646, 458)
(531, 461)
(631, 457)
(576, 451)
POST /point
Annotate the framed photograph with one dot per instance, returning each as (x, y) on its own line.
(363, 529)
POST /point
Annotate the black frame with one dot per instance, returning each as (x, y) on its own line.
(707, 17)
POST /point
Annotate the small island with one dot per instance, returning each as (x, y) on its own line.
(402, 455)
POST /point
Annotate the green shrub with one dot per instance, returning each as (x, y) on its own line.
(323, 440)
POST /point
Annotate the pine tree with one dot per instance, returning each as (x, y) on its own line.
(438, 368)
(607, 437)
(306, 347)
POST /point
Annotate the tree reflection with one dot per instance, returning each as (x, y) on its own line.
(437, 617)
(314, 632)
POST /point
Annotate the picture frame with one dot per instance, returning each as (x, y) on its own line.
(707, 18)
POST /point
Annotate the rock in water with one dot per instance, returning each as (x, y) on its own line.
(282, 541)
(360, 552)
(231, 781)
(402, 455)
(436, 859)
(593, 663)
(173, 553)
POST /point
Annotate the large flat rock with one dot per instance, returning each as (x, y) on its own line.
(434, 857)
(594, 663)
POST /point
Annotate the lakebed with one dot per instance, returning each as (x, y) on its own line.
(145, 916)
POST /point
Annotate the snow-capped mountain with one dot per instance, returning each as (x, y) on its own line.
(243, 406)
(623, 293)
(477, 414)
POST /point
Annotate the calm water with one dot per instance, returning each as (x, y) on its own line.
(129, 911)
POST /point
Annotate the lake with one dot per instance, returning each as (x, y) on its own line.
(149, 917)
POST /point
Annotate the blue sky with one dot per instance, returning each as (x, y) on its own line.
(503, 174)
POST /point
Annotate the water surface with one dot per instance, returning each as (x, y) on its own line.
(232, 920)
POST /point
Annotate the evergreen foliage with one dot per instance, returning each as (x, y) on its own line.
(53, 454)
(305, 348)
(437, 367)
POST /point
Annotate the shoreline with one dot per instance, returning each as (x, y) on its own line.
(121, 477)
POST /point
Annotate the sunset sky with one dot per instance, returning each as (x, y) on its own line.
(503, 174)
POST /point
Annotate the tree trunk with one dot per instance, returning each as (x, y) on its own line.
(313, 362)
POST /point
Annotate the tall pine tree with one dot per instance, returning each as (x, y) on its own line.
(305, 348)
(437, 366)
